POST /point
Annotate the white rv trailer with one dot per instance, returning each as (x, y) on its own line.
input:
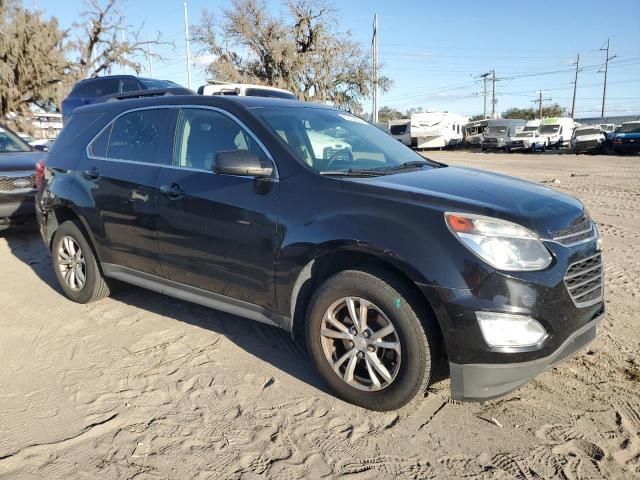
(401, 130)
(437, 129)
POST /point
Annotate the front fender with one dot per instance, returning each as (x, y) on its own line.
(411, 238)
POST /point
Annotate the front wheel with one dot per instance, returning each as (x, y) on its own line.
(75, 265)
(367, 341)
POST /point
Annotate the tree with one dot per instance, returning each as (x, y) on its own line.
(554, 110)
(99, 45)
(33, 67)
(387, 113)
(299, 50)
(477, 117)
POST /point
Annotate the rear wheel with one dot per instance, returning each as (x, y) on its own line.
(367, 340)
(75, 265)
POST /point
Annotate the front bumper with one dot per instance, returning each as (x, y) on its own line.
(555, 297)
(17, 211)
(627, 147)
(494, 145)
(483, 381)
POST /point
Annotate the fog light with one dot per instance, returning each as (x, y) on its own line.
(507, 330)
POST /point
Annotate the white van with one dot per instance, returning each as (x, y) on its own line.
(532, 125)
(245, 89)
(558, 131)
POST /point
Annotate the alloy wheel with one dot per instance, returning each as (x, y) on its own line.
(72, 264)
(361, 344)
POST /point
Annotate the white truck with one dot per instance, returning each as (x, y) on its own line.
(588, 139)
(558, 131)
(437, 129)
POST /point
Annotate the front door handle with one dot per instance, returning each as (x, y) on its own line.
(173, 191)
(92, 173)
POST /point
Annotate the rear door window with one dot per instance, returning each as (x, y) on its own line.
(136, 136)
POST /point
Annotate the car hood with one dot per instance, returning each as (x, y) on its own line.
(19, 161)
(633, 135)
(536, 207)
(592, 136)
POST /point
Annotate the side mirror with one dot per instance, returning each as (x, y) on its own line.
(41, 148)
(242, 163)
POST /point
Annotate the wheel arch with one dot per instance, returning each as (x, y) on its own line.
(61, 213)
(323, 266)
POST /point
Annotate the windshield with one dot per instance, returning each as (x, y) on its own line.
(265, 92)
(11, 143)
(587, 131)
(549, 128)
(495, 131)
(152, 84)
(630, 128)
(524, 134)
(329, 140)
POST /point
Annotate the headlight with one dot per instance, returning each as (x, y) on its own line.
(508, 330)
(503, 245)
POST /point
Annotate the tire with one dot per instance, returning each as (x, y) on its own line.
(68, 238)
(408, 369)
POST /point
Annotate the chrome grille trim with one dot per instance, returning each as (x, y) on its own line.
(589, 287)
(574, 238)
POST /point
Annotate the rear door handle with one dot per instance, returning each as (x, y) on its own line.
(92, 173)
(173, 191)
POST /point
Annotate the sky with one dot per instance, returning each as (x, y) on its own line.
(435, 51)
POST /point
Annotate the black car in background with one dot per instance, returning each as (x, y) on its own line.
(86, 92)
(393, 267)
(17, 179)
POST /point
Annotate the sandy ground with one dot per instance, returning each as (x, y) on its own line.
(144, 386)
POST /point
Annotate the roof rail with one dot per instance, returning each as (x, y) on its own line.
(154, 92)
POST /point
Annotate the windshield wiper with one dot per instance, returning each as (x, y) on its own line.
(352, 173)
(405, 165)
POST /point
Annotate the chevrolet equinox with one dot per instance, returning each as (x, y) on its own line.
(395, 269)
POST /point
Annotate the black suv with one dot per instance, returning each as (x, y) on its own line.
(393, 267)
(88, 91)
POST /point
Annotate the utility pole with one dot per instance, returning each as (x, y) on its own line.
(575, 88)
(374, 54)
(149, 57)
(126, 71)
(484, 78)
(606, 69)
(493, 101)
(186, 40)
(539, 102)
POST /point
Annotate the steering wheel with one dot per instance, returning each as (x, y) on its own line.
(343, 156)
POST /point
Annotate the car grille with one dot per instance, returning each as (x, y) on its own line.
(584, 281)
(581, 231)
(491, 140)
(587, 144)
(518, 143)
(7, 184)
